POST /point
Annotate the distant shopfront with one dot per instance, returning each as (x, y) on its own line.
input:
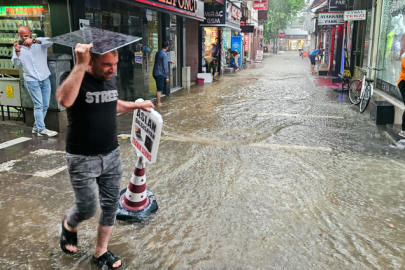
(222, 22)
(155, 22)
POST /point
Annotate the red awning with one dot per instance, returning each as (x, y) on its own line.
(282, 35)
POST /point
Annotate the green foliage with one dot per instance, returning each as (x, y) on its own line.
(281, 13)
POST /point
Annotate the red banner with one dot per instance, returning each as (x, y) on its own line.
(246, 40)
(260, 4)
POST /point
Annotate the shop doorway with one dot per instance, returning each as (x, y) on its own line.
(174, 53)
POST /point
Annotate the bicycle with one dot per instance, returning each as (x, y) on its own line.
(361, 93)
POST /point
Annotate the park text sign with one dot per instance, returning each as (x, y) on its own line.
(145, 135)
(355, 15)
(331, 18)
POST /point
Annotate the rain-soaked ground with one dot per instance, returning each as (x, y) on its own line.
(263, 169)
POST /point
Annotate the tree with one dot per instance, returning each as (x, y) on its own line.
(281, 14)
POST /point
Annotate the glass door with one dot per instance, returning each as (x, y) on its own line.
(174, 52)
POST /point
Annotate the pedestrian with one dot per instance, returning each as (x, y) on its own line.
(401, 86)
(32, 53)
(235, 55)
(161, 71)
(89, 94)
(213, 67)
(312, 56)
(215, 51)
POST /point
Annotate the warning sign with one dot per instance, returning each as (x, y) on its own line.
(9, 91)
(145, 135)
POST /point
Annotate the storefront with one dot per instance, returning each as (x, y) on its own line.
(222, 22)
(155, 22)
(36, 17)
(391, 47)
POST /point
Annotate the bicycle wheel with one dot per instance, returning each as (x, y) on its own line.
(366, 99)
(354, 92)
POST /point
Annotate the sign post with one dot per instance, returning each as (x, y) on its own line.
(259, 56)
(136, 202)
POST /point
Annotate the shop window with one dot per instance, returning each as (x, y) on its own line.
(391, 45)
(35, 17)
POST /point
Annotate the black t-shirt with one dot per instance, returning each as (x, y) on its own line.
(92, 119)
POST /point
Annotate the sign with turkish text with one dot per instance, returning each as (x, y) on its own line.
(146, 131)
(355, 15)
(214, 14)
(246, 40)
(260, 4)
(189, 5)
(331, 18)
(259, 56)
(337, 5)
(327, 45)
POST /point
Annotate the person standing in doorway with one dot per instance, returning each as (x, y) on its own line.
(32, 54)
(161, 71)
(89, 94)
(401, 86)
(215, 53)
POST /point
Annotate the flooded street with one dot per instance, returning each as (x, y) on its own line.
(262, 169)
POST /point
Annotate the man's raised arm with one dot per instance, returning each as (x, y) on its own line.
(69, 89)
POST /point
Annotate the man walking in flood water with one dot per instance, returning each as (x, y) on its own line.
(90, 96)
(161, 71)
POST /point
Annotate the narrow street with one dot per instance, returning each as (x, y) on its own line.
(262, 169)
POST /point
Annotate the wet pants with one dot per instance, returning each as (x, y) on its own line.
(401, 87)
(95, 178)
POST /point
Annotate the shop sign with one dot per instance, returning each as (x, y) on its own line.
(331, 18)
(236, 13)
(145, 135)
(84, 24)
(89, 16)
(21, 10)
(138, 57)
(327, 45)
(259, 56)
(214, 14)
(355, 15)
(246, 41)
(260, 4)
(189, 5)
(337, 5)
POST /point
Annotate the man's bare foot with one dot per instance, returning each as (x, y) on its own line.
(71, 229)
(160, 104)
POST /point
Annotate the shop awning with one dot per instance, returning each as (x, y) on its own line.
(317, 4)
(221, 25)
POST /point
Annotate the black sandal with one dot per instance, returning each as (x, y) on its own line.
(67, 238)
(108, 259)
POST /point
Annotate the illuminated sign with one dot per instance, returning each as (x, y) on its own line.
(21, 10)
(189, 5)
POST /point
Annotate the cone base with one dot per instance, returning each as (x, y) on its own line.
(137, 216)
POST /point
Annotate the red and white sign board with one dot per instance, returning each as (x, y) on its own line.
(259, 56)
(260, 4)
(355, 15)
(146, 131)
(246, 40)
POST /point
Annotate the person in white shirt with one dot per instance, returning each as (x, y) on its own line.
(32, 54)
